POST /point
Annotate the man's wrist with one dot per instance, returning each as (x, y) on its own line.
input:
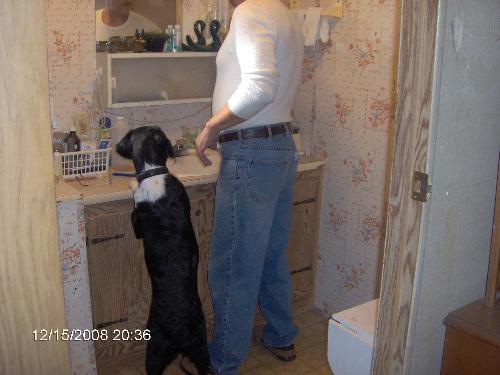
(212, 125)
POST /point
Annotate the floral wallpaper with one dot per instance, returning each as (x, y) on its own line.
(71, 60)
(76, 284)
(345, 109)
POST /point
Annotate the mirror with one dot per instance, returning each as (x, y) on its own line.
(123, 17)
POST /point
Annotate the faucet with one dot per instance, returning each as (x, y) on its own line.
(180, 148)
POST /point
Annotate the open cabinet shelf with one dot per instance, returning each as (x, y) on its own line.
(146, 79)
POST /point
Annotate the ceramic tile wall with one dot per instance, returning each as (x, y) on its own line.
(345, 109)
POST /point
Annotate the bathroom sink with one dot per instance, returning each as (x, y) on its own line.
(190, 166)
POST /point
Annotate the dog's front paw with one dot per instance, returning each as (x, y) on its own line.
(133, 185)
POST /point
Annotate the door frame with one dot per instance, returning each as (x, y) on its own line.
(31, 294)
(419, 25)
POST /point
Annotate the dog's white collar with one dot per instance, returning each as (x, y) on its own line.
(151, 188)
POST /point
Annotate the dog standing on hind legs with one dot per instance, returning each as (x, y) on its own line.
(161, 217)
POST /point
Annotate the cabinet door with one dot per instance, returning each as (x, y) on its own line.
(303, 243)
(120, 288)
(202, 200)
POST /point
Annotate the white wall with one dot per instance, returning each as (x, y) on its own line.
(465, 132)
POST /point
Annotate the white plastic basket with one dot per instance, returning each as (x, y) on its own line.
(82, 163)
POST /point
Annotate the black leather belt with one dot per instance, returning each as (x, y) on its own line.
(257, 132)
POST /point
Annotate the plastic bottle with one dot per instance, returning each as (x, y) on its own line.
(211, 15)
(222, 16)
(170, 39)
(119, 128)
(177, 39)
(72, 141)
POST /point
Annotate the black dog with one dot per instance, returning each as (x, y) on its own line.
(162, 219)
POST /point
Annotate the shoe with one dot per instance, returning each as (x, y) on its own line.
(283, 353)
(188, 368)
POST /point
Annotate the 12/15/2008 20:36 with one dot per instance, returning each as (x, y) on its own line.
(90, 334)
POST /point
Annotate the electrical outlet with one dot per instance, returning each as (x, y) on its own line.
(81, 121)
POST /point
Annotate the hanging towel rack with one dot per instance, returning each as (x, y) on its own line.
(334, 8)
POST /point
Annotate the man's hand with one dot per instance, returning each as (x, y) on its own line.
(209, 136)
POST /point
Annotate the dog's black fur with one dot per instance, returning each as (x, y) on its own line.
(176, 319)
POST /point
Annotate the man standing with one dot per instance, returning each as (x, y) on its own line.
(118, 19)
(258, 71)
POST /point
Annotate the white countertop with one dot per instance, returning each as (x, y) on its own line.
(98, 190)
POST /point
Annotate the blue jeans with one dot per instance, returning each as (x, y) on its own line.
(247, 263)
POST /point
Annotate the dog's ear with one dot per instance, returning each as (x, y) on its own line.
(165, 145)
(169, 150)
(124, 146)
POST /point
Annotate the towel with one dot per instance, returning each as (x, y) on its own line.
(324, 29)
(311, 25)
(300, 15)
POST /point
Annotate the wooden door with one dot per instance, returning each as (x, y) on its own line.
(415, 78)
(31, 295)
(436, 254)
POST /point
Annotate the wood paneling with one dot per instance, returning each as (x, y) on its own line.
(31, 294)
(415, 79)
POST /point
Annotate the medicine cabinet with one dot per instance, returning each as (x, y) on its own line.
(145, 79)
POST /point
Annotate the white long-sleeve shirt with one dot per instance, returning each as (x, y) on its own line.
(259, 64)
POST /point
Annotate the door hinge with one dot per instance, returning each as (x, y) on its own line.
(422, 188)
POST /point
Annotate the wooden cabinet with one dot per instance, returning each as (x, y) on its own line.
(119, 283)
(202, 210)
(303, 245)
(120, 288)
(144, 79)
(472, 343)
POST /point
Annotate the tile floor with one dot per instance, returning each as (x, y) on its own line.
(311, 345)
